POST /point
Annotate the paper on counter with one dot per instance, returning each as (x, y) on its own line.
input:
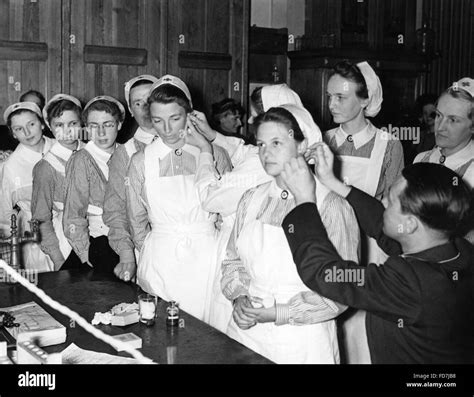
(75, 355)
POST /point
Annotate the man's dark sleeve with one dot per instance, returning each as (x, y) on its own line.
(369, 212)
(391, 291)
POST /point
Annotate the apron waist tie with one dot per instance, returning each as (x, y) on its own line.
(177, 228)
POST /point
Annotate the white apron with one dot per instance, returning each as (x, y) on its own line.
(178, 253)
(363, 173)
(220, 308)
(58, 208)
(265, 251)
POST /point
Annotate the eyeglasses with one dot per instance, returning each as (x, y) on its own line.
(108, 125)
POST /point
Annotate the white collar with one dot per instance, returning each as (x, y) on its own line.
(359, 139)
(30, 153)
(63, 152)
(163, 150)
(464, 155)
(144, 137)
(101, 156)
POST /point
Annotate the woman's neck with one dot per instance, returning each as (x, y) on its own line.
(39, 147)
(355, 125)
(177, 145)
(450, 151)
(70, 146)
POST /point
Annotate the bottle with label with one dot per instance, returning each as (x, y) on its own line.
(172, 317)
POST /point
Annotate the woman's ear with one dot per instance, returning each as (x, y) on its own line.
(119, 126)
(302, 146)
(364, 102)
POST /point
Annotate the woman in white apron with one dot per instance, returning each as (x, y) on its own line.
(176, 256)
(295, 325)
(62, 115)
(454, 130)
(367, 158)
(136, 94)
(16, 180)
(87, 172)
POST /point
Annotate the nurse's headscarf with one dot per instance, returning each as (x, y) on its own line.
(310, 130)
(466, 84)
(58, 98)
(129, 84)
(175, 81)
(374, 89)
(279, 94)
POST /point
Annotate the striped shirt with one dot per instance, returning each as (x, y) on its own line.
(306, 307)
(114, 215)
(362, 145)
(171, 165)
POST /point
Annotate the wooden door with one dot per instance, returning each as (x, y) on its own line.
(208, 48)
(107, 42)
(30, 48)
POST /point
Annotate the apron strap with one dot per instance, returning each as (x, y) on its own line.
(55, 163)
(375, 165)
(131, 147)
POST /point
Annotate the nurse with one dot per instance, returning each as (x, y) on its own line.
(86, 176)
(294, 325)
(62, 115)
(177, 254)
(136, 93)
(454, 130)
(367, 159)
(222, 195)
(26, 124)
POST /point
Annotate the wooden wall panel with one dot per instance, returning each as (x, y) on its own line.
(30, 48)
(453, 23)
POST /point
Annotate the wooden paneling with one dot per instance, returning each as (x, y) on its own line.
(30, 48)
(453, 23)
(115, 55)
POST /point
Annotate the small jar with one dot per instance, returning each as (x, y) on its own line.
(172, 314)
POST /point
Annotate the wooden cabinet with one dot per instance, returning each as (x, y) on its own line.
(381, 32)
(91, 47)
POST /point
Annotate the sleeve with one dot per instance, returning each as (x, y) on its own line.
(42, 210)
(235, 280)
(343, 232)
(393, 164)
(369, 212)
(137, 207)
(114, 215)
(75, 222)
(235, 147)
(222, 194)
(223, 163)
(391, 291)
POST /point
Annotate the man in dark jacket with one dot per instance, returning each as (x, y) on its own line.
(420, 302)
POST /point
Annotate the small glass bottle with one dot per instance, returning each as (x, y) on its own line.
(172, 317)
(276, 74)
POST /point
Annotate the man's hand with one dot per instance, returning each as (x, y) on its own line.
(323, 168)
(125, 271)
(243, 321)
(298, 178)
(199, 120)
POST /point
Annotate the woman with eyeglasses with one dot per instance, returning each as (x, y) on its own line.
(25, 121)
(454, 130)
(62, 114)
(87, 173)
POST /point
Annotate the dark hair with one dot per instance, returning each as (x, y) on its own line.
(59, 107)
(438, 197)
(18, 112)
(352, 72)
(282, 116)
(220, 109)
(256, 100)
(168, 93)
(463, 95)
(38, 94)
(103, 106)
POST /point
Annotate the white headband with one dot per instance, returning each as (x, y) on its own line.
(310, 130)
(57, 98)
(374, 89)
(172, 80)
(129, 84)
(279, 94)
(108, 99)
(31, 106)
(466, 84)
